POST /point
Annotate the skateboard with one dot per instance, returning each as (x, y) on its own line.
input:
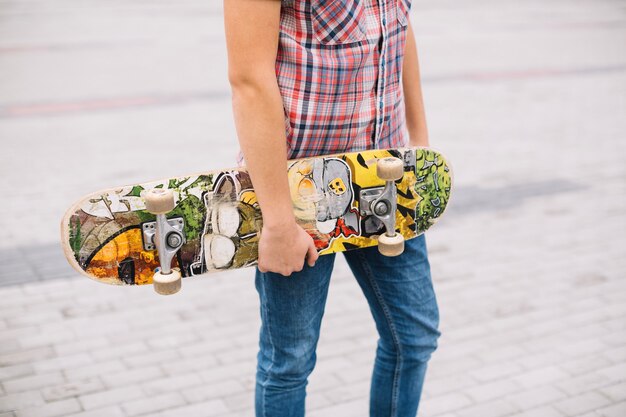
(158, 232)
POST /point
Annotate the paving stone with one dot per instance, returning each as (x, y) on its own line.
(213, 391)
(615, 339)
(78, 346)
(33, 318)
(9, 346)
(173, 341)
(615, 410)
(583, 383)
(182, 366)
(615, 372)
(495, 408)
(148, 405)
(51, 409)
(540, 376)
(47, 339)
(236, 355)
(347, 409)
(110, 397)
(14, 307)
(501, 353)
(583, 347)
(615, 392)
(205, 409)
(437, 386)
(165, 385)
(32, 382)
(26, 356)
(150, 358)
(341, 347)
(491, 390)
(535, 397)
(131, 376)
(582, 403)
(585, 364)
(238, 402)
(65, 362)
(445, 403)
(72, 389)
(228, 371)
(101, 412)
(205, 348)
(616, 354)
(495, 371)
(19, 401)
(545, 411)
(95, 369)
(319, 381)
(539, 360)
(121, 351)
(14, 371)
(439, 369)
(15, 333)
(316, 401)
(336, 364)
(348, 392)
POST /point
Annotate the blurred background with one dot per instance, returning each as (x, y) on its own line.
(528, 101)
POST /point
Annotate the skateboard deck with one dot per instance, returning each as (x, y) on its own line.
(215, 222)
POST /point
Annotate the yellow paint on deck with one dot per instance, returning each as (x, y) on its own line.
(105, 263)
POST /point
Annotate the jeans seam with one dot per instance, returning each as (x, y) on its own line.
(394, 334)
(269, 334)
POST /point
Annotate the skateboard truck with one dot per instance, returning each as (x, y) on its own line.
(381, 203)
(167, 239)
(149, 233)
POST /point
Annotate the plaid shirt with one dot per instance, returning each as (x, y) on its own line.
(338, 67)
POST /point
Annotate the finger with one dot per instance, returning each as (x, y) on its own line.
(312, 255)
(299, 267)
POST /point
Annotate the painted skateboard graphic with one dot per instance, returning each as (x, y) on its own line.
(187, 226)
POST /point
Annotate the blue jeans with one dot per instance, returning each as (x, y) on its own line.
(402, 301)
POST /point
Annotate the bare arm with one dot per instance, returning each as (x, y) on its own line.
(414, 103)
(252, 29)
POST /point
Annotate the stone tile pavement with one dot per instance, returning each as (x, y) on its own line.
(526, 98)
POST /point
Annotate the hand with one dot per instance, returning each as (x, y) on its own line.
(283, 249)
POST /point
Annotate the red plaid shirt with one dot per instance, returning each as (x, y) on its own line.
(339, 67)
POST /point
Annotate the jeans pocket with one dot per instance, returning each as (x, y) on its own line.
(402, 10)
(338, 22)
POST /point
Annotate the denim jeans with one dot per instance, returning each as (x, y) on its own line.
(402, 301)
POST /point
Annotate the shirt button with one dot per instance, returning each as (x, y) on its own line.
(384, 21)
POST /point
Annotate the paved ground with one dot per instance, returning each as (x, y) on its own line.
(527, 99)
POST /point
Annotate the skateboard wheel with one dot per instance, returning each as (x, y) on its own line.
(390, 169)
(167, 284)
(159, 200)
(391, 245)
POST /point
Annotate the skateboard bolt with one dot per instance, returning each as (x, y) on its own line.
(381, 208)
(174, 240)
